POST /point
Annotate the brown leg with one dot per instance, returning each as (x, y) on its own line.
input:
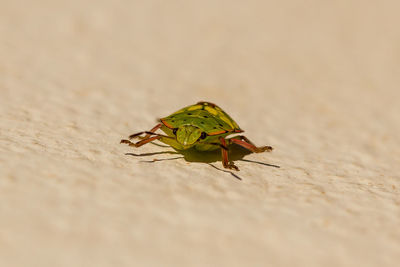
(248, 144)
(140, 143)
(225, 160)
(155, 128)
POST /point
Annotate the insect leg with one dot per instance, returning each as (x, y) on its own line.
(148, 134)
(155, 128)
(224, 151)
(140, 143)
(248, 144)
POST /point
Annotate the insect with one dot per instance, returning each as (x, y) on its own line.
(204, 126)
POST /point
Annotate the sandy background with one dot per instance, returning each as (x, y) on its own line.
(317, 80)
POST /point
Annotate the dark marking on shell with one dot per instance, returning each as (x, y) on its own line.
(203, 135)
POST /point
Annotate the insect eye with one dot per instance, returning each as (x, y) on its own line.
(174, 131)
(203, 135)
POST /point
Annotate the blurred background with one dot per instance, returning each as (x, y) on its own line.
(317, 80)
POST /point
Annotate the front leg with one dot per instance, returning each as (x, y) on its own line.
(140, 143)
(243, 141)
(225, 160)
(149, 137)
(148, 133)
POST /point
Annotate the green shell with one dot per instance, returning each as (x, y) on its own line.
(204, 115)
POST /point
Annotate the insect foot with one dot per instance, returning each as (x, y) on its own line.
(124, 141)
(264, 149)
(232, 166)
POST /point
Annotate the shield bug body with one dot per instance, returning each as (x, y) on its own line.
(204, 126)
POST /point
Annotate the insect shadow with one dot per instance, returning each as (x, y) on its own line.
(236, 153)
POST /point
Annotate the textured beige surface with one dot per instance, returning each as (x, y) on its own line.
(318, 80)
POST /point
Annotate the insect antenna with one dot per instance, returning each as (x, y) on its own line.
(149, 133)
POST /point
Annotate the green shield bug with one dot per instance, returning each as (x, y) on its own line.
(204, 126)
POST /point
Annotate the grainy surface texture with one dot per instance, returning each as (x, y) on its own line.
(317, 80)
